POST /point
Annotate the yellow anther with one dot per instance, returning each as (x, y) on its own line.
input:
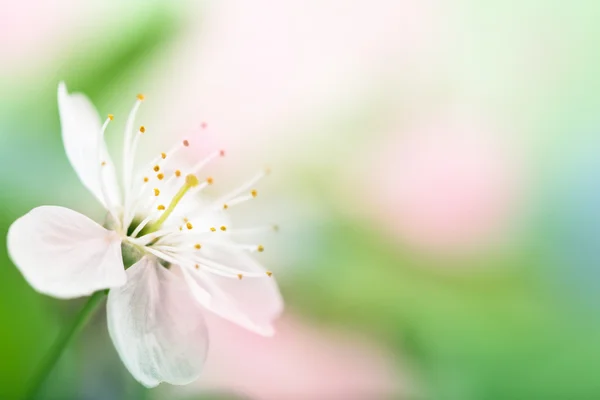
(145, 179)
(163, 155)
(140, 97)
(177, 173)
(160, 207)
(156, 168)
(191, 180)
(103, 163)
(186, 143)
(254, 193)
(260, 248)
(197, 266)
(269, 274)
(111, 117)
(189, 225)
(185, 219)
(142, 129)
(210, 180)
(156, 192)
(213, 229)
(180, 227)
(240, 276)
(160, 176)
(223, 228)
(225, 206)
(197, 246)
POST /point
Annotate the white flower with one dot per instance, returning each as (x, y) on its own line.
(186, 257)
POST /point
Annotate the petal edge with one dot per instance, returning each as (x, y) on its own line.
(65, 254)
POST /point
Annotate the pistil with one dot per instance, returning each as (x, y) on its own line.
(190, 182)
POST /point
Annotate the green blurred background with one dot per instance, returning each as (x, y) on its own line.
(436, 177)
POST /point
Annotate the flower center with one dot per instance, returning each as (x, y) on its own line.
(190, 182)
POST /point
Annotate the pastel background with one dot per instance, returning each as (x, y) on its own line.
(436, 178)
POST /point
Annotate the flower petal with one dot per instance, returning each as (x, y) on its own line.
(65, 254)
(156, 326)
(249, 302)
(86, 150)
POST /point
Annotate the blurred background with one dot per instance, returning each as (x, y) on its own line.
(436, 180)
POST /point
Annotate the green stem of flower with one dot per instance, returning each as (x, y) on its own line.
(48, 363)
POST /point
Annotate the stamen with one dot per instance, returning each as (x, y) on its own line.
(142, 224)
(134, 146)
(199, 188)
(156, 168)
(129, 151)
(156, 192)
(241, 199)
(202, 163)
(131, 206)
(128, 155)
(240, 276)
(211, 266)
(145, 179)
(269, 274)
(157, 160)
(163, 155)
(256, 230)
(160, 207)
(188, 225)
(213, 229)
(103, 188)
(210, 180)
(186, 143)
(177, 173)
(244, 187)
(223, 228)
(223, 270)
(111, 117)
(197, 246)
(251, 248)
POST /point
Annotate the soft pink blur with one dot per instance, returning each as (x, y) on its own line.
(262, 73)
(299, 362)
(27, 28)
(448, 183)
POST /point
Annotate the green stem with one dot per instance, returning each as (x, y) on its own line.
(47, 364)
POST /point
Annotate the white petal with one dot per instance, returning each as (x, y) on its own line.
(249, 302)
(65, 254)
(156, 326)
(81, 129)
